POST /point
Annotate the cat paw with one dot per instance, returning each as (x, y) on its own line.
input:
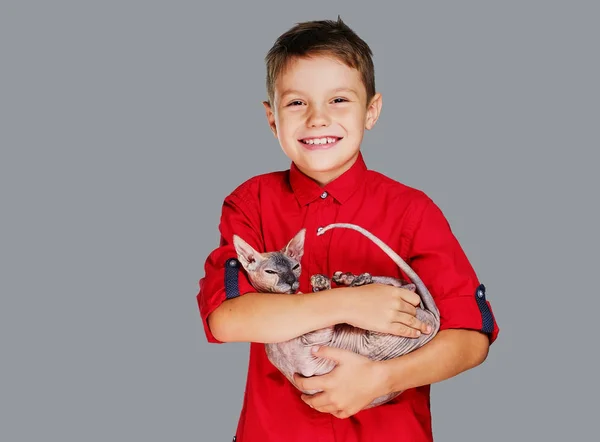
(362, 279)
(343, 278)
(320, 282)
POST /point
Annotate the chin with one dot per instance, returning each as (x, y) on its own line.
(326, 163)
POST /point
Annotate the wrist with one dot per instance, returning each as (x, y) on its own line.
(343, 304)
(334, 304)
(391, 374)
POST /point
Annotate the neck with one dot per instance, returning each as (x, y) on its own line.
(326, 177)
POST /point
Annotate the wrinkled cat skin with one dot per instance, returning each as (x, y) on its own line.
(279, 272)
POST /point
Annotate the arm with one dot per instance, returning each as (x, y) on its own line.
(467, 325)
(273, 317)
(448, 354)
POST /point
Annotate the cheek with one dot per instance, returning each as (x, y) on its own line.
(356, 122)
(289, 119)
(267, 282)
(273, 280)
(351, 117)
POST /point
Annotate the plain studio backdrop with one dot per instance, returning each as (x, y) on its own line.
(123, 126)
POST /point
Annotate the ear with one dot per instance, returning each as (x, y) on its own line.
(295, 248)
(247, 255)
(270, 117)
(373, 111)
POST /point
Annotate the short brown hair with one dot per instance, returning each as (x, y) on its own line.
(321, 37)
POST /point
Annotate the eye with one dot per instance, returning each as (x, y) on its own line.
(272, 272)
(296, 267)
(339, 100)
(293, 103)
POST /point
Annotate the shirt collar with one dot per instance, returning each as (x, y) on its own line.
(307, 190)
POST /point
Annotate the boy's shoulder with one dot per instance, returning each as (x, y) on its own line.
(250, 188)
(396, 190)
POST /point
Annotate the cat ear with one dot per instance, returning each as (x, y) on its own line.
(295, 248)
(247, 255)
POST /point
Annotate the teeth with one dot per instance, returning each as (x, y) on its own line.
(320, 140)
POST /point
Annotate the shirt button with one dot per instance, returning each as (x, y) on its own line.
(324, 195)
(319, 229)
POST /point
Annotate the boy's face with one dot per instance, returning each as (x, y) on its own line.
(321, 99)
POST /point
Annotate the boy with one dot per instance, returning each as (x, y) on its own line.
(321, 98)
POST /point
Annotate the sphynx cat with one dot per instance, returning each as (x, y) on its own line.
(279, 272)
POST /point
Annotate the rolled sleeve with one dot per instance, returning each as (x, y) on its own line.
(438, 258)
(224, 277)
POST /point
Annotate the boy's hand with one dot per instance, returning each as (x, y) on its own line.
(385, 309)
(352, 385)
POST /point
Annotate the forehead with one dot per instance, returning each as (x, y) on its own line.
(280, 260)
(318, 74)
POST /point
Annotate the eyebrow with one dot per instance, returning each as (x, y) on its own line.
(335, 91)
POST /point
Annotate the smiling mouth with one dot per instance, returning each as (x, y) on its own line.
(320, 142)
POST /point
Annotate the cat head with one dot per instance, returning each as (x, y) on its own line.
(275, 272)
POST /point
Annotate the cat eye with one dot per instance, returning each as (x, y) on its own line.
(272, 272)
(296, 267)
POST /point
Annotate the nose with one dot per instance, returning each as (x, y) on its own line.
(289, 278)
(318, 117)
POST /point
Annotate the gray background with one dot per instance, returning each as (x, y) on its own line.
(123, 125)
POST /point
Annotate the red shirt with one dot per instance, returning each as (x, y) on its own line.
(267, 211)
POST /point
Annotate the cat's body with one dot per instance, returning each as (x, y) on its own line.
(278, 272)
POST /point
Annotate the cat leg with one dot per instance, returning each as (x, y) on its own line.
(362, 279)
(350, 279)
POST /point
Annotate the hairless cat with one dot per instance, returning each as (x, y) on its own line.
(278, 272)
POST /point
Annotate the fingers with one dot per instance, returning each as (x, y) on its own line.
(404, 324)
(407, 315)
(341, 414)
(405, 307)
(399, 329)
(330, 408)
(310, 383)
(323, 403)
(412, 323)
(410, 297)
(319, 401)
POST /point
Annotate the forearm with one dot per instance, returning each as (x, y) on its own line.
(273, 317)
(448, 354)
